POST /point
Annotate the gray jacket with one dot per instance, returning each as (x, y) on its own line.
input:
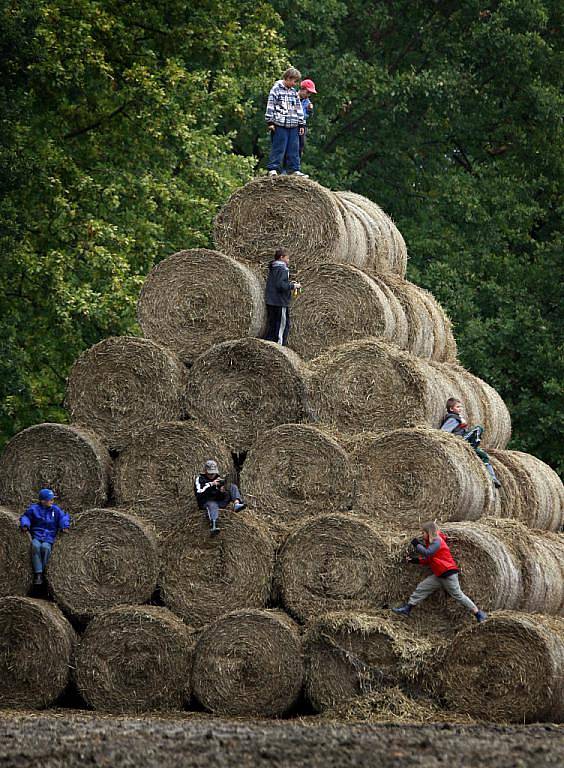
(278, 285)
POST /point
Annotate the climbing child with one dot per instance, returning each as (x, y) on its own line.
(455, 424)
(435, 552)
(285, 120)
(43, 521)
(307, 88)
(278, 296)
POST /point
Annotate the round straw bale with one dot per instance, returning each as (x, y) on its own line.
(352, 654)
(540, 489)
(444, 343)
(70, 460)
(249, 663)
(273, 210)
(330, 563)
(15, 566)
(296, 470)
(554, 543)
(108, 558)
(507, 499)
(135, 658)
(370, 386)
(203, 576)
(184, 304)
(154, 476)
(406, 474)
(238, 389)
(359, 246)
(401, 331)
(36, 652)
(420, 329)
(510, 668)
(338, 303)
(122, 384)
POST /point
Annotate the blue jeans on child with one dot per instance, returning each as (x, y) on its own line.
(213, 507)
(285, 144)
(40, 554)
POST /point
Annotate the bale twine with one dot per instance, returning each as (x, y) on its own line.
(134, 659)
(108, 558)
(540, 490)
(122, 384)
(15, 566)
(271, 210)
(296, 470)
(154, 476)
(370, 386)
(70, 460)
(420, 328)
(203, 577)
(249, 663)
(508, 669)
(239, 389)
(408, 475)
(338, 303)
(184, 306)
(351, 654)
(36, 652)
(494, 415)
(334, 562)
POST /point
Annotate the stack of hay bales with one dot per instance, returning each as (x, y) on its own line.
(335, 445)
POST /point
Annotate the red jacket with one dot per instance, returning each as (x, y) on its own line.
(442, 560)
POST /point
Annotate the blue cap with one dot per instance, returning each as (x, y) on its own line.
(46, 494)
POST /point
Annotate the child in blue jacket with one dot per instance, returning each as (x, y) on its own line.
(43, 521)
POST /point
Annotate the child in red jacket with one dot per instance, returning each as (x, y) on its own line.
(435, 553)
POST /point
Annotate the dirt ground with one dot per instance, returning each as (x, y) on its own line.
(64, 739)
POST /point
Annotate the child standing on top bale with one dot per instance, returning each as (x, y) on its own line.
(307, 88)
(279, 289)
(43, 521)
(285, 120)
(434, 552)
(454, 423)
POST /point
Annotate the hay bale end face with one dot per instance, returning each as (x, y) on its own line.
(508, 669)
(184, 306)
(356, 654)
(154, 475)
(108, 558)
(203, 577)
(123, 384)
(295, 470)
(36, 652)
(239, 389)
(69, 459)
(135, 659)
(15, 557)
(249, 663)
(330, 563)
(407, 476)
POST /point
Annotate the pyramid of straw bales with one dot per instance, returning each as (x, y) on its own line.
(335, 444)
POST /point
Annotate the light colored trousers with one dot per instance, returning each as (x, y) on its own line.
(450, 585)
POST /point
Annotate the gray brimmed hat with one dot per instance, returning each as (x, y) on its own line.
(210, 467)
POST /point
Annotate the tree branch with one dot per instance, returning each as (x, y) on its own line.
(96, 124)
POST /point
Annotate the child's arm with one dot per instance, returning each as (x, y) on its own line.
(25, 520)
(63, 519)
(426, 552)
(269, 114)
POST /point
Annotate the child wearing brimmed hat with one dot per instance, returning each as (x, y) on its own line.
(213, 493)
(307, 88)
(43, 521)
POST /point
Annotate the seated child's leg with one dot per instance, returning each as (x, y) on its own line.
(212, 508)
(483, 455)
(452, 586)
(235, 493)
(424, 589)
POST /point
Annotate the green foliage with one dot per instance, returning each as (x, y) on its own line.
(115, 123)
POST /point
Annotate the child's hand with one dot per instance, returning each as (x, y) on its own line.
(271, 128)
(301, 130)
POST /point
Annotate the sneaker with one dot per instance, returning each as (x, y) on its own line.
(299, 173)
(496, 483)
(481, 616)
(215, 529)
(238, 506)
(38, 579)
(403, 610)
(273, 173)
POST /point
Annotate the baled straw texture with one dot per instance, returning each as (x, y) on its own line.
(338, 303)
(70, 460)
(197, 298)
(407, 476)
(123, 384)
(509, 503)
(401, 330)
(354, 654)
(205, 576)
(420, 329)
(108, 558)
(239, 389)
(444, 343)
(135, 659)
(296, 470)
(508, 669)
(249, 663)
(154, 476)
(332, 563)
(310, 222)
(36, 652)
(15, 563)
(541, 498)
(370, 386)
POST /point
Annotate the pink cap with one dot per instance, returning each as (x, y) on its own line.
(308, 85)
